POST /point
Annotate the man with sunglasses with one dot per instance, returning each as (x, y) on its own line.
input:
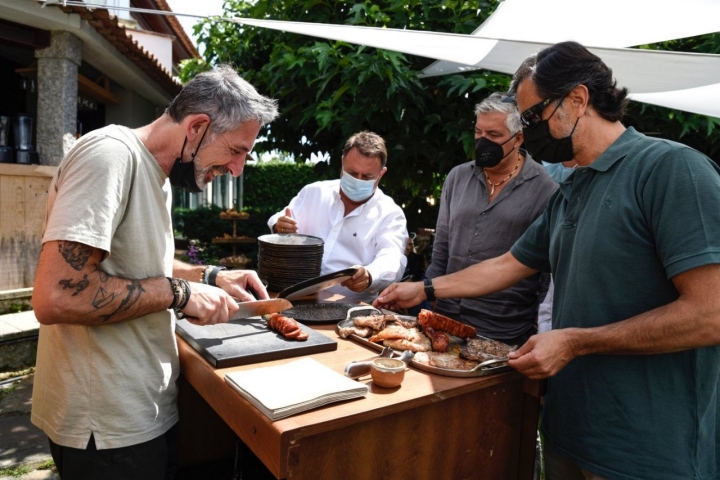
(632, 239)
(486, 205)
(360, 225)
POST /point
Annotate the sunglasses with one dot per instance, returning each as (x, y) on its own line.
(533, 115)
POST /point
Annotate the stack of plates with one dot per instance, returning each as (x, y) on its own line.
(287, 259)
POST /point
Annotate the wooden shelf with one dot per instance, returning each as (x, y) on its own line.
(234, 216)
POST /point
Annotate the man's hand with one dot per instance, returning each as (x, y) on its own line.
(286, 223)
(237, 283)
(209, 305)
(401, 295)
(544, 354)
(360, 281)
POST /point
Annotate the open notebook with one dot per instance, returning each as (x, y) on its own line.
(293, 387)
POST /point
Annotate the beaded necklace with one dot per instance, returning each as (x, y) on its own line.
(493, 185)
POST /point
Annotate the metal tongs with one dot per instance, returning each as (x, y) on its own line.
(491, 362)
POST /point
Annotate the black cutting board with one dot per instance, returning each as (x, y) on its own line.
(240, 342)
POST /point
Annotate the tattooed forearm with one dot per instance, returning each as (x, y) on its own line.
(78, 287)
(135, 290)
(103, 276)
(103, 298)
(75, 254)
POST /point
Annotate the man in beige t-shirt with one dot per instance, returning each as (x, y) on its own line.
(106, 283)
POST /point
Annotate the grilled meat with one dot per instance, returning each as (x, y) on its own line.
(286, 326)
(426, 318)
(440, 340)
(444, 360)
(345, 332)
(481, 349)
(421, 345)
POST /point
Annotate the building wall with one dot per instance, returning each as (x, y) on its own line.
(133, 111)
(23, 192)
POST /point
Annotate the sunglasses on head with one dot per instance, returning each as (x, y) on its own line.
(533, 115)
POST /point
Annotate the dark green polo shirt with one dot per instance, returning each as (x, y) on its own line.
(613, 236)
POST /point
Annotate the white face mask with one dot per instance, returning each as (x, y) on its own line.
(355, 189)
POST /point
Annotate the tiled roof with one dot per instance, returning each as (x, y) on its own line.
(108, 26)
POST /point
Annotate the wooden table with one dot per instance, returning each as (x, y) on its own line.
(431, 427)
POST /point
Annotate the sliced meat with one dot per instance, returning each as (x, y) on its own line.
(426, 318)
(481, 349)
(444, 360)
(376, 322)
(286, 326)
(407, 323)
(395, 331)
(419, 344)
(345, 332)
(440, 340)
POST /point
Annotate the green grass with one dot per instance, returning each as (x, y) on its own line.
(6, 390)
(46, 465)
(15, 472)
(20, 470)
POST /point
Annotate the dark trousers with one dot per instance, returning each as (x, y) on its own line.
(156, 459)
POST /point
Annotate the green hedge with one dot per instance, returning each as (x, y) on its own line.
(267, 188)
(270, 186)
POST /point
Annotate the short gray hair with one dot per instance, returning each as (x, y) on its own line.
(225, 97)
(498, 102)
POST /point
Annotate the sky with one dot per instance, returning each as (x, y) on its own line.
(196, 7)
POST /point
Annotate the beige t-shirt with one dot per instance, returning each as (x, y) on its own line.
(116, 381)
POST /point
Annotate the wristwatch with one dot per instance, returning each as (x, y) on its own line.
(213, 275)
(429, 290)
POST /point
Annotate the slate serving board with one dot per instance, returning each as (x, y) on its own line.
(240, 342)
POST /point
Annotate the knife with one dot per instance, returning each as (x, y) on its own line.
(261, 307)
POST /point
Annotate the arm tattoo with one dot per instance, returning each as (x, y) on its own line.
(75, 254)
(78, 287)
(102, 298)
(134, 289)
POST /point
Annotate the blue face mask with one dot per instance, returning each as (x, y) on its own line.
(356, 190)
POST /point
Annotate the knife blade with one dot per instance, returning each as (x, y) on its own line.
(261, 307)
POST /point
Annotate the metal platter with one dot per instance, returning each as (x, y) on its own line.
(317, 284)
(324, 312)
(479, 371)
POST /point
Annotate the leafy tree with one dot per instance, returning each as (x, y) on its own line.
(329, 90)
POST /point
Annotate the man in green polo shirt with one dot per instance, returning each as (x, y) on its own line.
(632, 239)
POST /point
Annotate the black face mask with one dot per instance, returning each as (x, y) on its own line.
(543, 146)
(182, 173)
(488, 153)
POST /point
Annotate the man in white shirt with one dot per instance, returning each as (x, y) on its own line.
(360, 225)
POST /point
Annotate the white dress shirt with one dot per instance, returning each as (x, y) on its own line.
(374, 235)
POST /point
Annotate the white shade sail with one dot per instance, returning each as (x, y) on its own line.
(703, 100)
(519, 28)
(610, 23)
(641, 71)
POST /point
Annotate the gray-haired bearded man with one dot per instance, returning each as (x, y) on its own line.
(107, 282)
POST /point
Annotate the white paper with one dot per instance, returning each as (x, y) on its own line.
(294, 387)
